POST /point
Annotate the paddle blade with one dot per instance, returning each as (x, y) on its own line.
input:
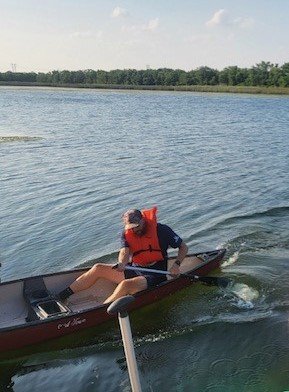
(214, 281)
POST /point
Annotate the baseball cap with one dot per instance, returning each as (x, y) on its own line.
(132, 218)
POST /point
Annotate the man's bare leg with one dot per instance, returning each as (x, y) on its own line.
(99, 270)
(128, 286)
(88, 279)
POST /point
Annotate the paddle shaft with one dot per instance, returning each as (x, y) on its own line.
(154, 271)
(208, 280)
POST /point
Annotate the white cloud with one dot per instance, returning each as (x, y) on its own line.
(222, 18)
(152, 25)
(219, 18)
(118, 12)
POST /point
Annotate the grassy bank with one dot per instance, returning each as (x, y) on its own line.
(213, 89)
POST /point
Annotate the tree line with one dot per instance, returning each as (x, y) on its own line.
(262, 74)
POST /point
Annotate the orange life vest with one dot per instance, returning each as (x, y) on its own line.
(145, 249)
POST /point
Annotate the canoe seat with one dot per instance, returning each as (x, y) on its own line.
(41, 303)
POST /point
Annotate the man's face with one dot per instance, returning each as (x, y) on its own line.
(140, 229)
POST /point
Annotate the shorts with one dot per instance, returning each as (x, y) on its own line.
(153, 279)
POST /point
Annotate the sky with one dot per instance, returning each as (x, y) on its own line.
(46, 35)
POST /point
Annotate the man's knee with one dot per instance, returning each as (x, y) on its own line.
(133, 285)
(99, 268)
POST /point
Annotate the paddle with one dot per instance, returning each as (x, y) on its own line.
(208, 280)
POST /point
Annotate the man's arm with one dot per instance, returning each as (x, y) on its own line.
(183, 250)
(182, 253)
(123, 258)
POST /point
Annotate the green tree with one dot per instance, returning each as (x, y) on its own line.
(101, 77)
(284, 80)
(259, 74)
(148, 78)
(192, 78)
(207, 76)
(233, 76)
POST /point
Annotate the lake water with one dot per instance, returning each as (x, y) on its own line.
(72, 161)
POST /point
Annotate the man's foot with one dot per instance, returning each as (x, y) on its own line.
(64, 294)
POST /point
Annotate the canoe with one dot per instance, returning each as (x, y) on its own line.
(31, 313)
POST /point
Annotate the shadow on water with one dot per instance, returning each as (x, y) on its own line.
(54, 352)
(213, 357)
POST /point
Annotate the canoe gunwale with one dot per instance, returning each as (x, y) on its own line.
(222, 251)
(100, 308)
(24, 335)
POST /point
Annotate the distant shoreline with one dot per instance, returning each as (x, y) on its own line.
(192, 88)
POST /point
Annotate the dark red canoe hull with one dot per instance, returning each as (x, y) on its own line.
(35, 332)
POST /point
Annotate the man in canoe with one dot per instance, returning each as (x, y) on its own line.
(144, 243)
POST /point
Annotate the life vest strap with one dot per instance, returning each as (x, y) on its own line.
(150, 249)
